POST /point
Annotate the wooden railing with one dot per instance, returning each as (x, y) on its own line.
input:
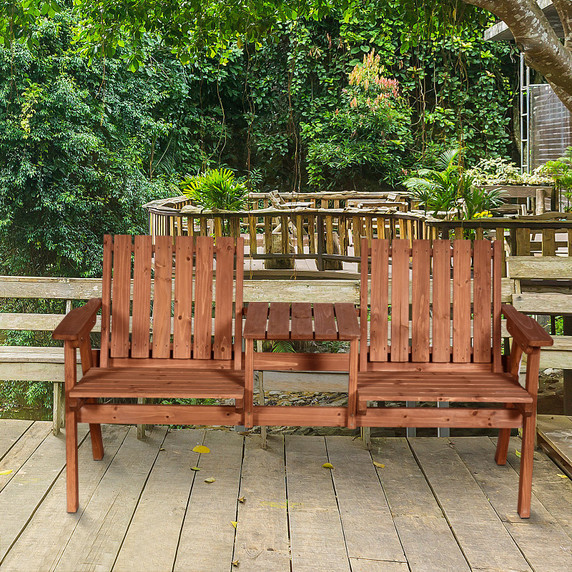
(295, 230)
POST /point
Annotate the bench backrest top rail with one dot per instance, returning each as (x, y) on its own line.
(457, 320)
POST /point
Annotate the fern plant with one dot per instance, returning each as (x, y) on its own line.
(215, 189)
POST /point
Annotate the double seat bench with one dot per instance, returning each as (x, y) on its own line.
(428, 329)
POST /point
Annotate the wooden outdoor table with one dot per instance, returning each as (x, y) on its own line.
(301, 321)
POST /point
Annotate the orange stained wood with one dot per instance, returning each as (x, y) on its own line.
(141, 297)
(223, 297)
(482, 296)
(203, 297)
(182, 329)
(121, 294)
(441, 301)
(379, 299)
(420, 301)
(462, 301)
(400, 301)
(162, 297)
(302, 326)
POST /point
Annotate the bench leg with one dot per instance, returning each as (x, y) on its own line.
(502, 446)
(71, 461)
(58, 408)
(96, 438)
(526, 461)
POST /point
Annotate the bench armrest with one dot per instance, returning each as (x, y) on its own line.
(78, 322)
(528, 333)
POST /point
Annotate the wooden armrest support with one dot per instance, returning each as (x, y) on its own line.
(78, 322)
(528, 333)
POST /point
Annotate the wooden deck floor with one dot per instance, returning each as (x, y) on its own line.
(435, 504)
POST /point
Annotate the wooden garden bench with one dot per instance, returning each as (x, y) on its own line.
(184, 344)
(433, 338)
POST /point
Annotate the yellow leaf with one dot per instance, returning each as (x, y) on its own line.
(559, 474)
(328, 466)
(517, 452)
(234, 523)
(380, 465)
(235, 563)
(6, 472)
(201, 449)
(241, 500)
(210, 480)
(195, 468)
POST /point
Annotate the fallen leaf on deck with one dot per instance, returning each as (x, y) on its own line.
(380, 465)
(6, 472)
(235, 563)
(328, 466)
(242, 500)
(210, 480)
(162, 449)
(195, 468)
(517, 452)
(559, 474)
(201, 449)
(234, 523)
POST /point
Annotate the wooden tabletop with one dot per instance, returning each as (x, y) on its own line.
(301, 321)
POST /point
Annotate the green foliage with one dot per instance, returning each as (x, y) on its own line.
(216, 189)
(560, 170)
(500, 171)
(449, 189)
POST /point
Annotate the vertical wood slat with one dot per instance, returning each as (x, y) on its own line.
(162, 297)
(462, 301)
(203, 297)
(420, 301)
(252, 234)
(238, 303)
(182, 330)
(329, 235)
(379, 298)
(363, 305)
(223, 298)
(441, 300)
(106, 298)
(482, 298)
(121, 296)
(141, 297)
(400, 301)
(548, 242)
(299, 234)
(498, 269)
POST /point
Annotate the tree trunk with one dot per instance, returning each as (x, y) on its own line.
(543, 50)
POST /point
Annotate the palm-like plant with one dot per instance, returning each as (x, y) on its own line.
(449, 189)
(215, 189)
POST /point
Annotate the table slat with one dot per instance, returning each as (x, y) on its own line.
(255, 326)
(324, 322)
(302, 328)
(278, 321)
(346, 315)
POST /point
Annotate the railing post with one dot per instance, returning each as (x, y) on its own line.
(321, 242)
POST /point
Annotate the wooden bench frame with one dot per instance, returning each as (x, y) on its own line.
(430, 357)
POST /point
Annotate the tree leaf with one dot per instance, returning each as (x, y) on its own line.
(242, 500)
(517, 452)
(201, 449)
(235, 563)
(234, 523)
(195, 468)
(380, 465)
(210, 480)
(328, 466)
(559, 474)
(6, 472)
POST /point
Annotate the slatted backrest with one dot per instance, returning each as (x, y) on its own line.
(443, 304)
(165, 300)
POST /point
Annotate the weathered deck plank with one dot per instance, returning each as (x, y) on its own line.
(262, 532)
(101, 528)
(316, 534)
(10, 431)
(41, 550)
(154, 530)
(427, 540)
(207, 536)
(26, 490)
(474, 520)
(362, 504)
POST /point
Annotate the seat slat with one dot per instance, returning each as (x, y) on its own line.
(420, 301)
(441, 301)
(462, 301)
(203, 298)
(379, 299)
(400, 301)
(302, 326)
(347, 321)
(121, 296)
(223, 297)
(482, 296)
(141, 297)
(255, 326)
(324, 322)
(183, 314)
(162, 297)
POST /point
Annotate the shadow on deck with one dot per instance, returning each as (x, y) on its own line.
(429, 504)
